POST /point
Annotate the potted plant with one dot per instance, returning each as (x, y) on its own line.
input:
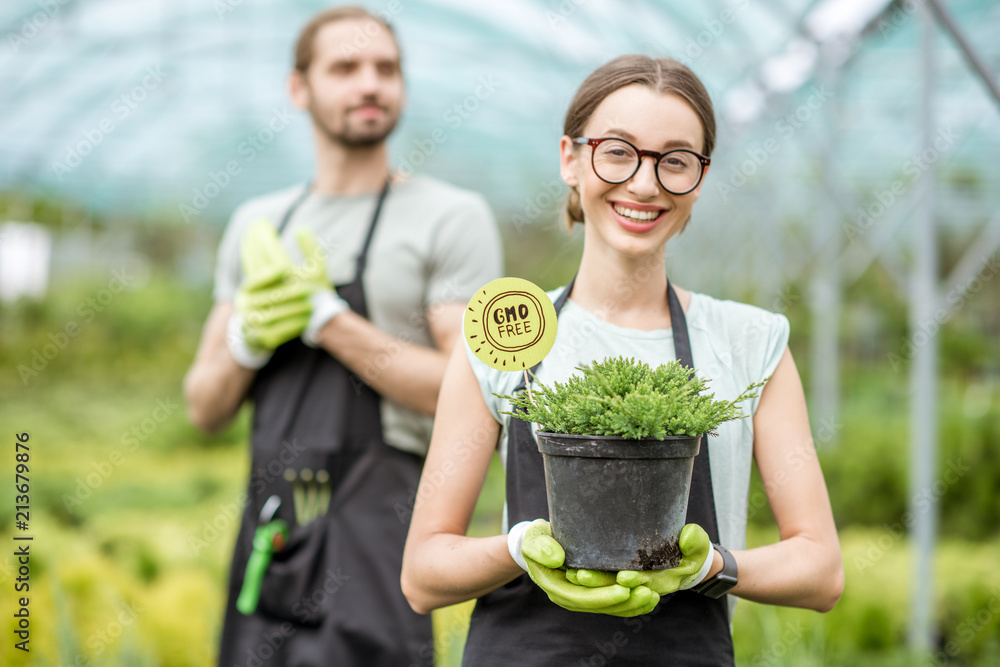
(618, 443)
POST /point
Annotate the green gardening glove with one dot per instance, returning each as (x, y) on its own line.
(262, 257)
(696, 561)
(543, 559)
(311, 273)
(271, 305)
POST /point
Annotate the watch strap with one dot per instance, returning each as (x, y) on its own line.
(724, 580)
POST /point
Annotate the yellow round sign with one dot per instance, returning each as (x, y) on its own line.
(510, 324)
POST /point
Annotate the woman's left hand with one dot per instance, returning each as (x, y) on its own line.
(697, 552)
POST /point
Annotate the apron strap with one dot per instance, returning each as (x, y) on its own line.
(286, 218)
(701, 502)
(363, 254)
(678, 322)
(307, 378)
(558, 305)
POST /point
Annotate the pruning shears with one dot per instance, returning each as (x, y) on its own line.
(270, 537)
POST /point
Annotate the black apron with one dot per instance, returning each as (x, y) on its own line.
(518, 625)
(332, 595)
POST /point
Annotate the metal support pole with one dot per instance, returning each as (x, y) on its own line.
(826, 281)
(923, 373)
(963, 44)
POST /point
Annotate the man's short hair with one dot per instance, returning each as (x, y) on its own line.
(305, 46)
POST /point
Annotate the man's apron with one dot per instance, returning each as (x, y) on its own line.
(332, 595)
(518, 625)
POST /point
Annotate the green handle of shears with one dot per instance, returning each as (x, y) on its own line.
(260, 558)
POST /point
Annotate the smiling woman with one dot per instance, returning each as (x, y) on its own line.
(622, 187)
(635, 152)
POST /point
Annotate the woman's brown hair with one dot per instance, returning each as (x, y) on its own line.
(662, 75)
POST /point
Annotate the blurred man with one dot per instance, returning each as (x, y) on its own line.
(336, 319)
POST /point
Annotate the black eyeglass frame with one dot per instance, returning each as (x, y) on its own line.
(594, 143)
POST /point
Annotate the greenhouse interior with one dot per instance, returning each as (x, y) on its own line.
(854, 189)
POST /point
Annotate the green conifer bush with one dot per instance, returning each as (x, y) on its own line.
(626, 398)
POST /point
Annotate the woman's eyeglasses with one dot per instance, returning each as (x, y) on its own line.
(615, 160)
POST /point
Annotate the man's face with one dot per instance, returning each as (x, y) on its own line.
(354, 87)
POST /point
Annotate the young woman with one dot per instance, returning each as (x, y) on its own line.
(635, 152)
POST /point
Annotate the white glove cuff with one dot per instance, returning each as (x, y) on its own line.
(702, 573)
(326, 305)
(236, 341)
(514, 539)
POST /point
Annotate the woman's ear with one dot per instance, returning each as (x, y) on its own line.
(569, 160)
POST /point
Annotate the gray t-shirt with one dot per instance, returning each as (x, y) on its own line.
(434, 243)
(732, 344)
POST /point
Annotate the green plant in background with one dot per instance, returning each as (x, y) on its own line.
(627, 398)
(143, 535)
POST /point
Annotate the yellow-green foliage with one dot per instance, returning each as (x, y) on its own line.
(868, 626)
(138, 541)
(626, 398)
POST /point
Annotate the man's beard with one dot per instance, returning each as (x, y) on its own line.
(349, 137)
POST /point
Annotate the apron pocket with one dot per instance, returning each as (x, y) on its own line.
(292, 589)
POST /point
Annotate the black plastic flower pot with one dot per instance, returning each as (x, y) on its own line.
(618, 504)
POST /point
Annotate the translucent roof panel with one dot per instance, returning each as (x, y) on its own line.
(137, 107)
(137, 103)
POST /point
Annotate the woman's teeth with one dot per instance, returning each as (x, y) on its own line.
(639, 216)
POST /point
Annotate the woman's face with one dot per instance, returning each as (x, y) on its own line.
(637, 216)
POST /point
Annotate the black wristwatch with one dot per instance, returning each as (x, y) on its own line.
(723, 581)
